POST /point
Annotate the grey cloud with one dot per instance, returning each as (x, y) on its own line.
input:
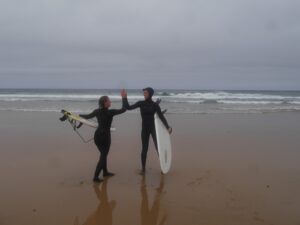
(206, 42)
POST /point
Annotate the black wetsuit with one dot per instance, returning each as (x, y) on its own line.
(147, 108)
(102, 136)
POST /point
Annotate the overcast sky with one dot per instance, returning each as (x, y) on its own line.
(188, 44)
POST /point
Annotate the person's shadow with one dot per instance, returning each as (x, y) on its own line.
(150, 216)
(103, 213)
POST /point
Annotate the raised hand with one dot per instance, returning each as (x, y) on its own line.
(124, 93)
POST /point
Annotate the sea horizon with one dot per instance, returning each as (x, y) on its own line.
(179, 89)
(175, 100)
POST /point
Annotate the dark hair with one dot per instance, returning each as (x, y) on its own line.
(150, 91)
(102, 101)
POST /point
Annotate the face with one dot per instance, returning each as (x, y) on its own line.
(107, 103)
(146, 94)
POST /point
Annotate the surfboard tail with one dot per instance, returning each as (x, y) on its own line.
(65, 116)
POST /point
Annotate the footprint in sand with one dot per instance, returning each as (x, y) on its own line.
(257, 217)
(199, 180)
(77, 183)
(195, 182)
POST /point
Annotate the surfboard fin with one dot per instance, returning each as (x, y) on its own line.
(79, 125)
(63, 118)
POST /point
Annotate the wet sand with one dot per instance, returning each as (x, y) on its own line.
(227, 169)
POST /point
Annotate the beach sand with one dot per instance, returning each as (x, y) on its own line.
(227, 169)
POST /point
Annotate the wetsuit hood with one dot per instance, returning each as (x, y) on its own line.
(150, 91)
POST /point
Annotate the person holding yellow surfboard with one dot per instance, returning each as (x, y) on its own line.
(102, 135)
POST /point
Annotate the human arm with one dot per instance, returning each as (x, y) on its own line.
(163, 119)
(89, 116)
(125, 101)
(114, 112)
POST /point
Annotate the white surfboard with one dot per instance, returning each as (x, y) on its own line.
(72, 116)
(163, 145)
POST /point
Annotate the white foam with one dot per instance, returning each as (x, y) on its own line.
(175, 101)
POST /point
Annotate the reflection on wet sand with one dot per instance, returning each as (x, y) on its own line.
(150, 216)
(103, 213)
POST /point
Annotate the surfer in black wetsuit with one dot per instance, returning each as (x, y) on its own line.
(147, 108)
(102, 135)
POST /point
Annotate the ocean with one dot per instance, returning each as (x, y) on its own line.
(175, 101)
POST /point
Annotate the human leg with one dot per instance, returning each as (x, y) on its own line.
(153, 134)
(99, 167)
(145, 143)
(106, 173)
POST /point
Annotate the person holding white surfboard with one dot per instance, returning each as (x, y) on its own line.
(102, 135)
(147, 108)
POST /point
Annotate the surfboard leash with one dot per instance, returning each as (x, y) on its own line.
(73, 124)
